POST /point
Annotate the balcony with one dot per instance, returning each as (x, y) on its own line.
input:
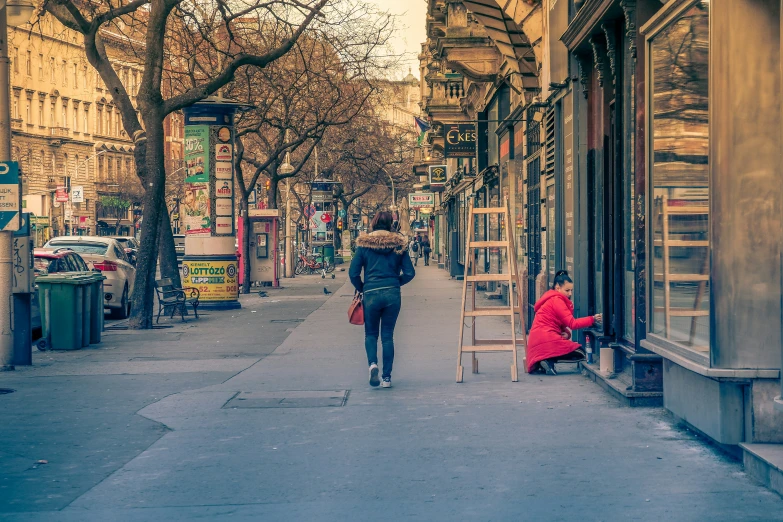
(17, 124)
(445, 100)
(59, 132)
(107, 187)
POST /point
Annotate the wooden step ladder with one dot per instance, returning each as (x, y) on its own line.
(515, 306)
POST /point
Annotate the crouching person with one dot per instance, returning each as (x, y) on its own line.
(549, 340)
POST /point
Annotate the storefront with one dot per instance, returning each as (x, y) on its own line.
(714, 223)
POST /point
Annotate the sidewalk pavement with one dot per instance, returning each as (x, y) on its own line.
(279, 440)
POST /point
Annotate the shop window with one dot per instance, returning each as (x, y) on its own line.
(679, 210)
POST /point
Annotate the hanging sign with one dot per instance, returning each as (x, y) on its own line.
(9, 196)
(421, 200)
(61, 194)
(77, 194)
(437, 175)
(459, 140)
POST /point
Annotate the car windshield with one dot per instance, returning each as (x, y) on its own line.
(83, 248)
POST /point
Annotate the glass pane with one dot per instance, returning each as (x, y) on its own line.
(680, 206)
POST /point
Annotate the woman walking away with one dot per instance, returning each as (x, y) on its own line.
(549, 340)
(425, 248)
(383, 256)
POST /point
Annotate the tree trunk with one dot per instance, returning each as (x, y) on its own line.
(154, 199)
(247, 232)
(272, 196)
(167, 253)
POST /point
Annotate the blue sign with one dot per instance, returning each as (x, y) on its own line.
(9, 196)
(341, 213)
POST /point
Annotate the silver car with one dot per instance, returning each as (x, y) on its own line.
(108, 256)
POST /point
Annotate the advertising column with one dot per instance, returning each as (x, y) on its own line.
(210, 263)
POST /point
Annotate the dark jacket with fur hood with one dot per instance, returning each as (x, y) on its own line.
(384, 258)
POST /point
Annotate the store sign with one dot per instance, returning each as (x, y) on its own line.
(224, 226)
(223, 189)
(224, 207)
(438, 174)
(9, 196)
(223, 170)
(459, 140)
(223, 152)
(77, 194)
(216, 280)
(421, 200)
(196, 153)
(61, 194)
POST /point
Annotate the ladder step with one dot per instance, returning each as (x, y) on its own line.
(683, 312)
(683, 277)
(489, 244)
(490, 210)
(490, 311)
(487, 277)
(490, 348)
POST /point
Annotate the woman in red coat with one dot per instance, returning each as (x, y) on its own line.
(549, 340)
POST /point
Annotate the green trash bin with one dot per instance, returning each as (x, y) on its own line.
(329, 253)
(61, 302)
(96, 311)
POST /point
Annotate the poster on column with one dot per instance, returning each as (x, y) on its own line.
(197, 220)
(196, 153)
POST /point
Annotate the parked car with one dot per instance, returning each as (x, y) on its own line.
(179, 246)
(52, 261)
(131, 246)
(105, 254)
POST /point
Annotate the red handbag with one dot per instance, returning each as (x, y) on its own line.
(356, 310)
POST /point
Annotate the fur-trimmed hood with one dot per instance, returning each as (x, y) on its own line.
(383, 242)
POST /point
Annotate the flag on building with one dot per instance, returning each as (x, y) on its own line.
(421, 126)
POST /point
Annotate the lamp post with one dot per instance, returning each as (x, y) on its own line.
(15, 12)
(287, 169)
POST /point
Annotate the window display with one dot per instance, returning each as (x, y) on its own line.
(680, 179)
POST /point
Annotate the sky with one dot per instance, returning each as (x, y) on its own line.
(410, 32)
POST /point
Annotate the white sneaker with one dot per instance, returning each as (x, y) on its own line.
(374, 381)
(386, 382)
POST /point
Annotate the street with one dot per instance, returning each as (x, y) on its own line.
(265, 414)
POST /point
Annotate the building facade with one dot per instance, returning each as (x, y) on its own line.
(67, 133)
(638, 145)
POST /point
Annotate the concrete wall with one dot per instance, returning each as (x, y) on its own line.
(745, 150)
(714, 408)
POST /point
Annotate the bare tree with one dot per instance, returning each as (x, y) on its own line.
(196, 48)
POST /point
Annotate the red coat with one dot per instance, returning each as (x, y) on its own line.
(554, 313)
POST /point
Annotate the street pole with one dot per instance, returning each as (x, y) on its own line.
(6, 238)
(289, 260)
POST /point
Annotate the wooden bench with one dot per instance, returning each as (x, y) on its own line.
(173, 298)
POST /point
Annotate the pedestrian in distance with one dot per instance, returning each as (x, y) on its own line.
(378, 270)
(426, 249)
(549, 340)
(416, 249)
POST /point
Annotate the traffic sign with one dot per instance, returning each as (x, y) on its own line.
(341, 213)
(310, 211)
(9, 196)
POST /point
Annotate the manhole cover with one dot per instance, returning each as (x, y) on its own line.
(289, 399)
(4, 391)
(286, 320)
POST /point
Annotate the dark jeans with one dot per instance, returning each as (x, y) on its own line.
(426, 257)
(381, 309)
